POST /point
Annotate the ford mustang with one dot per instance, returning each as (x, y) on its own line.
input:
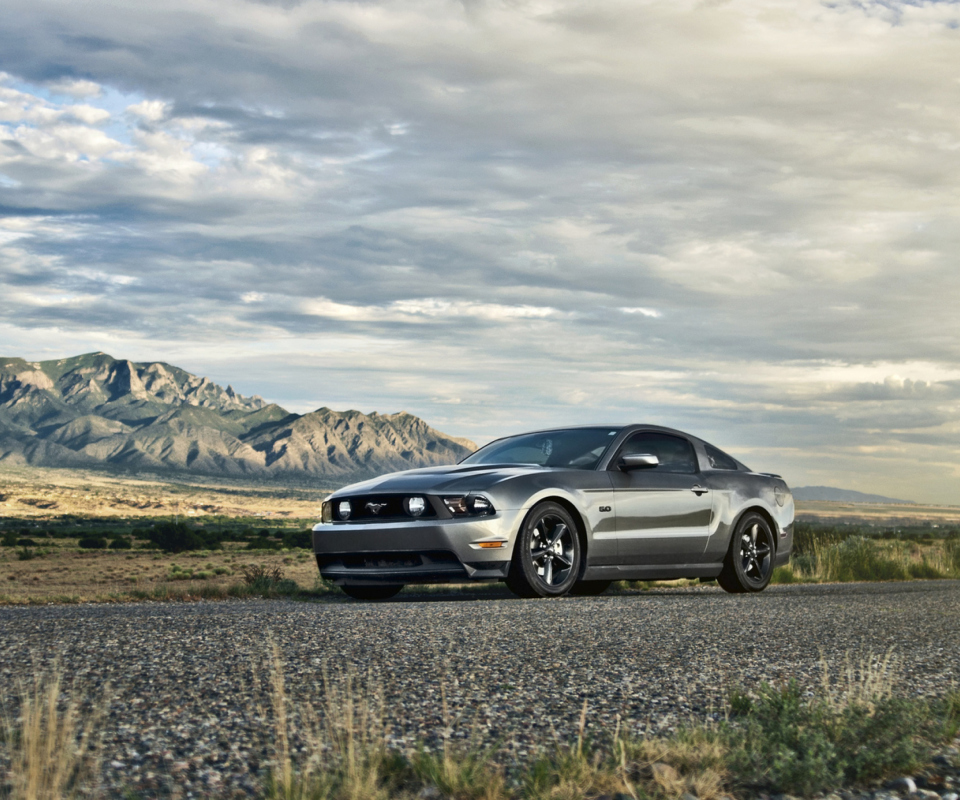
(561, 511)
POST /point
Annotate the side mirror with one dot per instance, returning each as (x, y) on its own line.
(644, 461)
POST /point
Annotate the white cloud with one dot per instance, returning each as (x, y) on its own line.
(76, 88)
(152, 110)
(425, 309)
(643, 312)
(88, 114)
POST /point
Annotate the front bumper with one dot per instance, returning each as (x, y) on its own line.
(416, 551)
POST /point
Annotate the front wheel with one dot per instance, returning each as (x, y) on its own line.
(749, 562)
(372, 592)
(546, 559)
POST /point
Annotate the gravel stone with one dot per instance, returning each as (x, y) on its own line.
(188, 710)
(904, 785)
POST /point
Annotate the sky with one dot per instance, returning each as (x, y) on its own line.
(740, 219)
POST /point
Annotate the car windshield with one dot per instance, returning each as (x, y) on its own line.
(576, 448)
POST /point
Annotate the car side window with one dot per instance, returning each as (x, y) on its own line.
(675, 454)
(718, 459)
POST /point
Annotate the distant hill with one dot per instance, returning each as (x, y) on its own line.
(831, 494)
(95, 410)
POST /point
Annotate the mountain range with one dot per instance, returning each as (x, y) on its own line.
(834, 495)
(97, 411)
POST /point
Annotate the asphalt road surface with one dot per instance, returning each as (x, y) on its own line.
(186, 684)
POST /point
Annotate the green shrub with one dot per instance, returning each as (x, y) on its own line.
(924, 570)
(263, 544)
(9, 539)
(26, 554)
(178, 573)
(26, 543)
(301, 539)
(790, 743)
(93, 543)
(951, 550)
(174, 537)
(121, 543)
(784, 574)
(858, 559)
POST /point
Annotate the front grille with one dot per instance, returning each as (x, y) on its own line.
(438, 562)
(390, 507)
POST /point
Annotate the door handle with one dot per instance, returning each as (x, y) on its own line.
(699, 490)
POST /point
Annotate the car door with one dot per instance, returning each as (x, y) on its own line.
(663, 512)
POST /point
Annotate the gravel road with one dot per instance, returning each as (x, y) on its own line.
(188, 710)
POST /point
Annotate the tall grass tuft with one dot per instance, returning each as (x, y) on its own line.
(344, 754)
(51, 748)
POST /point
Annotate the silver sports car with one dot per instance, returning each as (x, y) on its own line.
(561, 511)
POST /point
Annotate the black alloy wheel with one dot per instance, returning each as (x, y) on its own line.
(748, 566)
(546, 558)
(372, 592)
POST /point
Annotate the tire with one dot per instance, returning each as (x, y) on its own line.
(546, 558)
(590, 588)
(748, 566)
(372, 592)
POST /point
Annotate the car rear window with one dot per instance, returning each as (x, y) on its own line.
(718, 459)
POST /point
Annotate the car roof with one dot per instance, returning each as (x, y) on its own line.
(620, 427)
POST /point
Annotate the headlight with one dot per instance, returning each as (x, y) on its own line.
(326, 512)
(469, 506)
(344, 509)
(415, 506)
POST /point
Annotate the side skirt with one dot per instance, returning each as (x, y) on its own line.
(651, 572)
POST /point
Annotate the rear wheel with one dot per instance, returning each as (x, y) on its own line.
(372, 592)
(590, 588)
(749, 562)
(546, 559)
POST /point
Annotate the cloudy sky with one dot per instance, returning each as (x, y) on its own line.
(737, 218)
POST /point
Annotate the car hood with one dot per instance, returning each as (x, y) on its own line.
(442, 480)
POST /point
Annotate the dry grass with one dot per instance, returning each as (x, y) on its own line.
(344, 754)
(66, 575)
(865, 682)
(50, 745)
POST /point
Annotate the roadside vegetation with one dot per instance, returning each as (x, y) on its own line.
(858, 729)
(82, 559)
(853, 552)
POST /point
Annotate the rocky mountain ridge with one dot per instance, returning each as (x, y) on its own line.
(95, 410)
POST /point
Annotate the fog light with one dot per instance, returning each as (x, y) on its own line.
(415, 506)
(344, 509)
